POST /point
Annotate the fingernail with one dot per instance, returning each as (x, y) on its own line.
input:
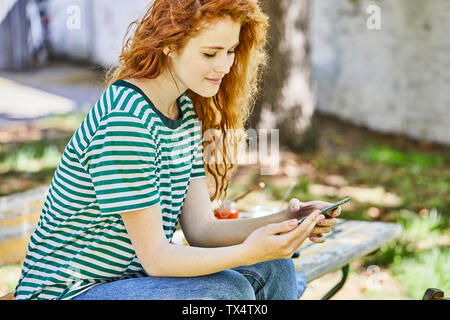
(293, 222)
(321, 217)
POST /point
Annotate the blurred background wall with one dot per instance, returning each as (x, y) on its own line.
(91, 30)
(21, 34)
(393, 79)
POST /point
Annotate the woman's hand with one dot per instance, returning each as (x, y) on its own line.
(279, 240)
(298, 210)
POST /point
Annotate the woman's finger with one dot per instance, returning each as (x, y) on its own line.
(305, 228)
(321, 230)
(327, 222)
(315, 235)
(282, 227)
(310, 222)
(336, 212)
(317, 239)
(293, 207)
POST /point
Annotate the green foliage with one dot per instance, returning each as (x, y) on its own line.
(423, 270)
(9, 276)
(417, 231)
(416, 259)
(36, 156)
(302, 186)
(390, 156)
(421, 179)
(68, 122)
(31, 157)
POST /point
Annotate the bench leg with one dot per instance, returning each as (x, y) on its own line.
(337, 287)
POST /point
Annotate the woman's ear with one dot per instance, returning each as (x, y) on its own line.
(166, 51)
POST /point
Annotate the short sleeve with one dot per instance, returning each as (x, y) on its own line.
(198, 168)
(121, 163)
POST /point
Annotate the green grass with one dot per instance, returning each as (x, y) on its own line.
(30, 164)
(390, 156)
(68, 122)
(423, 270)
(417, 259)
(9, 276)
(31, 157)
(35, 156)
(422, 181)
(419, 234)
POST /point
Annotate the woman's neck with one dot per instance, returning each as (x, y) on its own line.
(162, 92)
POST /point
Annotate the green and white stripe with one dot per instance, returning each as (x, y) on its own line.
(124, 156)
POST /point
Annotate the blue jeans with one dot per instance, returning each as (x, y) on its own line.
(271, 280)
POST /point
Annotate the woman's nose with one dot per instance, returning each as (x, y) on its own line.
(222, 70)
(224, 67)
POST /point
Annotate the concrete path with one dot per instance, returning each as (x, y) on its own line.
(54, 89)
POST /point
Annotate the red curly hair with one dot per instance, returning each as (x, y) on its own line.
(171, 23)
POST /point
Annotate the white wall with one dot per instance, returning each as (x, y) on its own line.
(394, 79)
(92, 30)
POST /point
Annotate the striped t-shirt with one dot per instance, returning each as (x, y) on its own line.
(126, 155)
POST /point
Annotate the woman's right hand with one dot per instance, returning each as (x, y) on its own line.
(279, 240)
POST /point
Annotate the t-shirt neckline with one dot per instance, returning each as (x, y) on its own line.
(172, 124)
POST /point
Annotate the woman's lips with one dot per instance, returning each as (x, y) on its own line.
(214, 81)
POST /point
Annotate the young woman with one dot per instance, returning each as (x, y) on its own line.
(135, 167)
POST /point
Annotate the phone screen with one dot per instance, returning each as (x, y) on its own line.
(328, 209)
(334, 206)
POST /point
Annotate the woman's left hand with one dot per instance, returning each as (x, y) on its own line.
(298, 210)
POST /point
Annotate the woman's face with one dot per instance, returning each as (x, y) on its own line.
(209, 55)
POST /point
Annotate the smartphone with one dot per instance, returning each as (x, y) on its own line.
(334, 206)
(328, 209)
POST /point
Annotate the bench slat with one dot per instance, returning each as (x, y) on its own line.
(348, 240)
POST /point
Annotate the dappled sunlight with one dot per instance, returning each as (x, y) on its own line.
(60, 126)
(28, 161)
(373, 195)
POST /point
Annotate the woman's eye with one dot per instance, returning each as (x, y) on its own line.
(213, 55)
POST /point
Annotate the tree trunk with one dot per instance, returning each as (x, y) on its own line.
(287, 101)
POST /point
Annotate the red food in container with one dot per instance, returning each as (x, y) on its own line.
(229, 210)
(226, 213)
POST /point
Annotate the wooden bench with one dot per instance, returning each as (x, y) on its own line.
(348, 240)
